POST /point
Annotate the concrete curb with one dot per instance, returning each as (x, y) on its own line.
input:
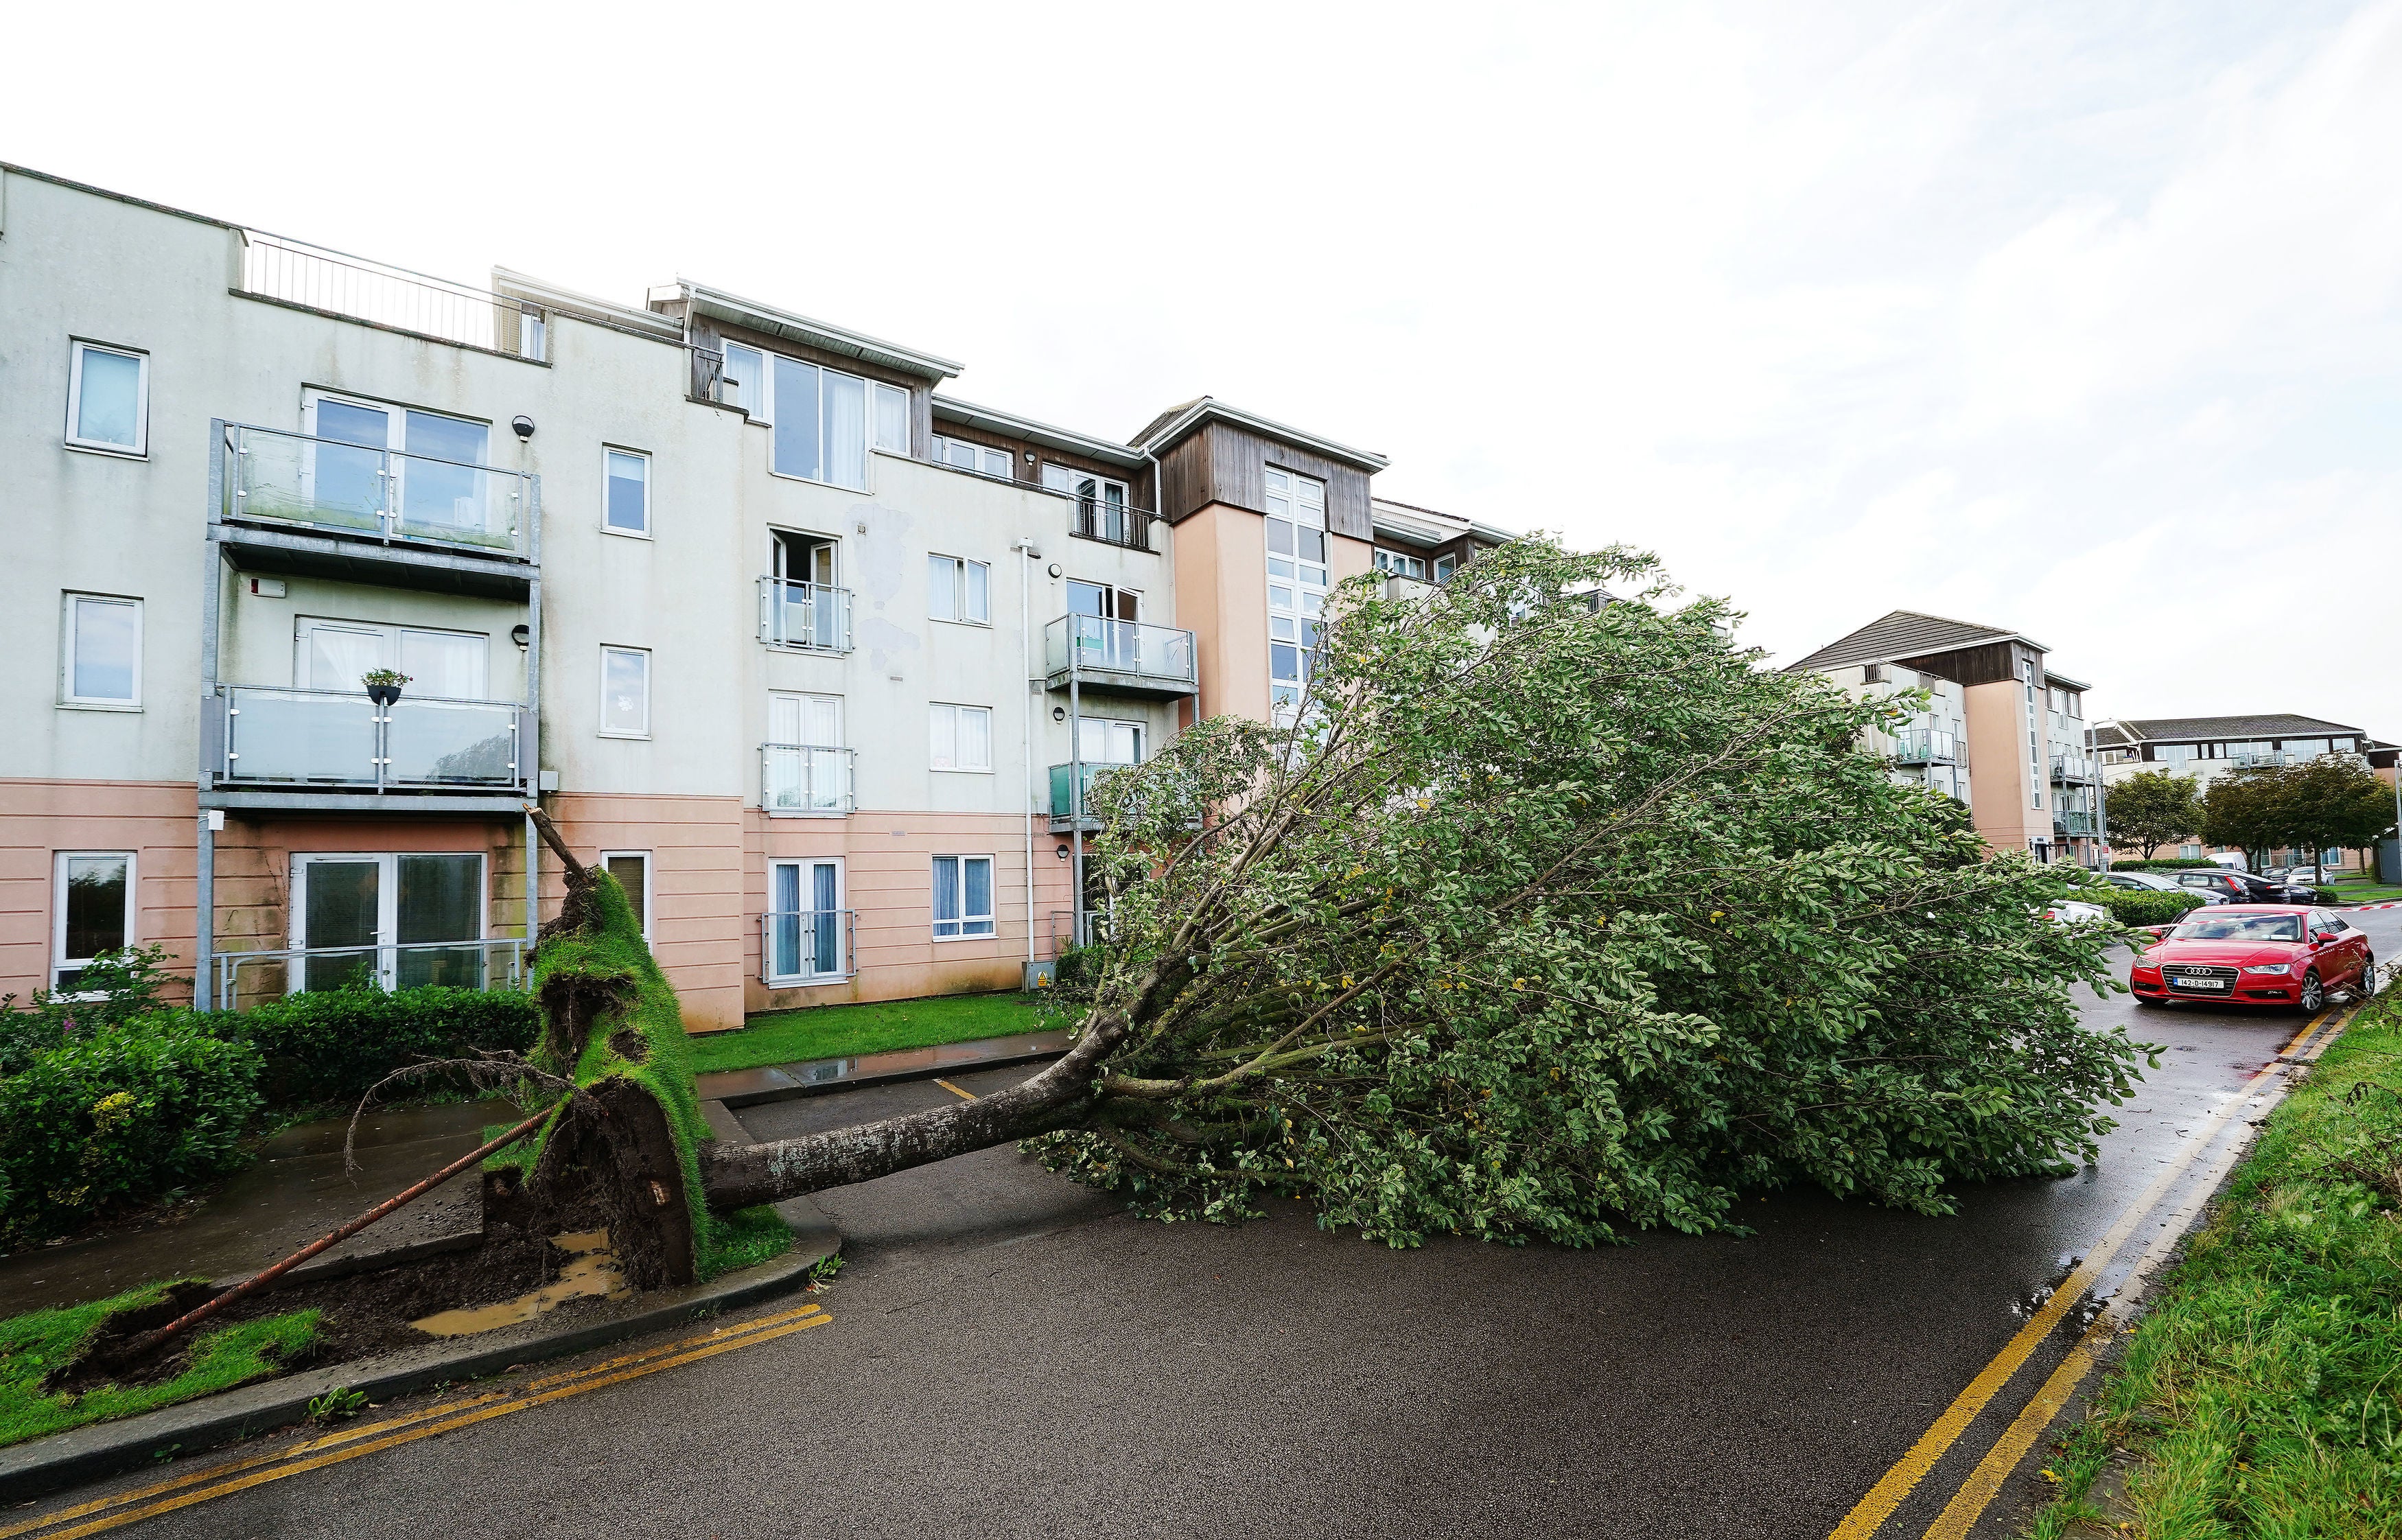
(104, 1449)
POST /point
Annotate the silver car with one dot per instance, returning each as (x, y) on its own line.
(2152, 882)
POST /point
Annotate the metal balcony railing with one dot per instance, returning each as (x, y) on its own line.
(360, 489)
(1113, 523)
(2072, 823)
(1926, 745)
(239, 979)
(277, 737)
(800, 779)
(297, 273)
(2072, 769)
(805, 946)
(809, 615)
(1119, 653)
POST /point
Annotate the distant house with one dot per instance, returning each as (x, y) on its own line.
(2207, 747)
(1995, 708)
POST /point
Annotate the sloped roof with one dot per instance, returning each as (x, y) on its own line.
(2250, 729)
(1906, 634)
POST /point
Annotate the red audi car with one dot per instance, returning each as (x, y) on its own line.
(2256, 953)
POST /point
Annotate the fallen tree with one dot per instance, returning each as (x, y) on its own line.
(1547, 913)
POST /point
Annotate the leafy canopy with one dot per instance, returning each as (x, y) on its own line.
(2152, 808)
(1553, 913)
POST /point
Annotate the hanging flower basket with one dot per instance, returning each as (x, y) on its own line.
(383, 684)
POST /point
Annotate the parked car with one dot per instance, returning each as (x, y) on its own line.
(2153, 882)
(2255, 954)
(2231, 887)
(2074, 911)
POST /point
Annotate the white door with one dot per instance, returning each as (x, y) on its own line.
(807, 934)
(805, 767)
(444, 665)
(380, 920)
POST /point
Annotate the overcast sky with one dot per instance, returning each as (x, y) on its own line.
(2081, 319)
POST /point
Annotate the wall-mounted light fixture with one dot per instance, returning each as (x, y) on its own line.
(522, 636)
(1058, 713)
(1063, 852)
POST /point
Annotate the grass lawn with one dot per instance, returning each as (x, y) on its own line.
(2363, 892)
(839, 1031)
(2261, 1395)
(33, 1344)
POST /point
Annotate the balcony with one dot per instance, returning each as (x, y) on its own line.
(237, 980)
(1926, 745)
(269, 747)
(805, 781)
(2264, 759)
(2073, 823)
(361, 492)
(811, 617)
(1071, 787)
(2072, 769)
(1112, 523)
(1123, 657)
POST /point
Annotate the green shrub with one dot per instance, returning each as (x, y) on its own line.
(2144, 906)
(117, 1117)
(331, 1045)
(112, 988)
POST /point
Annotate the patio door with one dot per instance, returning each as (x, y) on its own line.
(805, 934)
(438, 489)
(1099, 741)
(380, 920)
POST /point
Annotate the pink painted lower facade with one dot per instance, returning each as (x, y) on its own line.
(709, 859)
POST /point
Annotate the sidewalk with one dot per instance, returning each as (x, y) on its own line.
(817, 1077)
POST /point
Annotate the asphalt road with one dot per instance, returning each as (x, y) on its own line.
(1010, 1355)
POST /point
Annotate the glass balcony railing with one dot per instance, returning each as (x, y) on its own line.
(803, 615)
(1121, 653)
(364, 490)
(1926, 745)
(798, 777)
(1072, 786)
(2073, 823)
(2072, 768)
(324, 737)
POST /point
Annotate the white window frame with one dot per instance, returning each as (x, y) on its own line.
(1294, 622)
(69, 602)
(1445, 565)
(606, 731)
(877, 393)
(984, 455)
(607, 452)
(650, 867)
(957, 711)
(989, 921)
(1400, 564)
(845, 965)
(872, 390)
(387, 962)
(960, 590)
(60, 961)
(140, 448)
(392, 633)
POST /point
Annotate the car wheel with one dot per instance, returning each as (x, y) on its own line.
(2367, 984)
(2313, 993)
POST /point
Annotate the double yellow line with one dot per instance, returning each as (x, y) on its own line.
(1960, 1515)
(332, 1448)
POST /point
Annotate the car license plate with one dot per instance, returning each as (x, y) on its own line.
(2201, 983)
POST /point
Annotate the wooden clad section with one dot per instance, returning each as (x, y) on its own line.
(1218, 462)
(1997, 660)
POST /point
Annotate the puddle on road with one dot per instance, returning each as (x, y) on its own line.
(593, 1274)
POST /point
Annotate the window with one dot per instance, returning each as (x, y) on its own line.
(1401, 565)
(632, 870)
(959, 589)
(805, 769)
(962, 897)
(625, 692)
(108, 399)
(807, 933)
(1297, 584)
(1102, 504)
(100, 659)
(1443, 567)
(92, 897)
(961, 737)
(332, 654)
(395, 920)
(1101, 741)
(823, 421)
(435, 492)
(983, 458)
(627, 475)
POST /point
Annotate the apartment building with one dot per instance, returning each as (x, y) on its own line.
(816, 657)
(2207, 747)
(2002, 732)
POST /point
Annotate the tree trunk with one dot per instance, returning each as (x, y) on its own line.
(740, 1175)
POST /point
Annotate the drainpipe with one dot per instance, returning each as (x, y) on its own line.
(1025, 547)
(1159, 515)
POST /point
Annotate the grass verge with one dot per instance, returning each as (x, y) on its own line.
(2261, 1395)
(838, 1031)
(2364, 892)
(34, 1344)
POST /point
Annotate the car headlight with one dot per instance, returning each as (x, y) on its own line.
(2268, 968)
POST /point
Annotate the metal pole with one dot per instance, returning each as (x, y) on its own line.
(1076, 782)
(1026, 554)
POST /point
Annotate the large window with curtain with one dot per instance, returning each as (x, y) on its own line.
(962, 897)
(823, 421)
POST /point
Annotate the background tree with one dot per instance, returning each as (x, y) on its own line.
(2337, 802)
(2247, 809)
(2152, 808)
(1549, 914)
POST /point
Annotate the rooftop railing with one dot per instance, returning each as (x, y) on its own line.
(1119, 653)
(326, 485)
(809, 615)
(799, 779)
(276, 737)
(1926, 745)
(297, 273)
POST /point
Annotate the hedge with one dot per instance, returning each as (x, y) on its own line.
(2146, 905)
(123, 1115)
(329, 1045)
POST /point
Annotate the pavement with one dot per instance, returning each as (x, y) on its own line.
(1008, 1354)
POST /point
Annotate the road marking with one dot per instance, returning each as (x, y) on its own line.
(955, 1091)
(317, 1453)
(1977, 1493)
(1896, 1483)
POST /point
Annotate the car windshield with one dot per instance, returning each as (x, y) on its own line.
(2240, 928)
